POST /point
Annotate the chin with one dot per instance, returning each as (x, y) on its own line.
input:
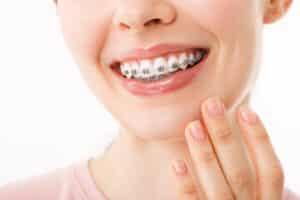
(162, 123)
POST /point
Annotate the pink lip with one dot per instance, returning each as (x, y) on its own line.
(154, 51)
(168, 84)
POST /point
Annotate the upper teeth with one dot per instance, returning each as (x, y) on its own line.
(160, 66)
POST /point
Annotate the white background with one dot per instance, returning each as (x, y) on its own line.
(49, 119)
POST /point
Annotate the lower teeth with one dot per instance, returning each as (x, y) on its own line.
(156, 77)
(162, 76)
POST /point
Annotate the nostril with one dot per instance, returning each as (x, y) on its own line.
(148, 23)
(153, 22)
(124, 26)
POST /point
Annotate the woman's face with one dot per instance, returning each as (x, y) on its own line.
(98, 31)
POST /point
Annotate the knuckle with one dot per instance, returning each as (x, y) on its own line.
(188, 197)
(263, 136)
(207, 157)
(188, 188)
(229, 197)
(275, 176)
(224, 134)
(242, 179)
(225, 195)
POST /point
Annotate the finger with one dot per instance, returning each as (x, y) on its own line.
(268, 166)
(206, 164)
(230, 149)
(185, 186)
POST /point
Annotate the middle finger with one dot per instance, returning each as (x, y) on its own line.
(229, 149)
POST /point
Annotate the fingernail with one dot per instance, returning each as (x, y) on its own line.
(179, 167)
(196, 131)
(215, 107)
(248, 115)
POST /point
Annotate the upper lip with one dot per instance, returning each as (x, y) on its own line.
(154, 51)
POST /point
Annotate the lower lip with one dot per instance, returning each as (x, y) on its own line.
(168, 84)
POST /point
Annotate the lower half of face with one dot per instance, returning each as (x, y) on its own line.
(229, 30)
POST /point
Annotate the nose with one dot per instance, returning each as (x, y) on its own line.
(136, 15)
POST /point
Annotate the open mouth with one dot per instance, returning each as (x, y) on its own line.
(161, 67)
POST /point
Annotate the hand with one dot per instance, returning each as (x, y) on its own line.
(229, 165)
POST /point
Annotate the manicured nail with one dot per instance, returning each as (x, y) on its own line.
(215, 107)
(196, 131)
(179, 167)
(248, 115)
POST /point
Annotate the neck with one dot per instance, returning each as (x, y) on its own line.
(142, 161)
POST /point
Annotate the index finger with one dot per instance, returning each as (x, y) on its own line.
(206, 164)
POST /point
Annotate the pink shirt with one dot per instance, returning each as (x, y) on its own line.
(69, 183)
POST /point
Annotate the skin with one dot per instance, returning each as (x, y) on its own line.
(224, 165)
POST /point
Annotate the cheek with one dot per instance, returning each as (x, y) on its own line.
(84, 25)
(84, 28)
(237, 27)
(224, 17)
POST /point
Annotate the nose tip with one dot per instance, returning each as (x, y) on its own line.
(141, 15)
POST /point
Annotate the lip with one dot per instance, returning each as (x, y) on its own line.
(153, 51)
(168, 84)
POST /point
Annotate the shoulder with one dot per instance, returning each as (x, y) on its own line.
(58, 184)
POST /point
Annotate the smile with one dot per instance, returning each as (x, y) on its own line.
(157, 71)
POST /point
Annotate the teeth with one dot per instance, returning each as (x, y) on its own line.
(192, 59)
(173, 64)
(135, 69)
(146, 69)
(183, 61)
(126, 70)
(199, 55)
(160, 67)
